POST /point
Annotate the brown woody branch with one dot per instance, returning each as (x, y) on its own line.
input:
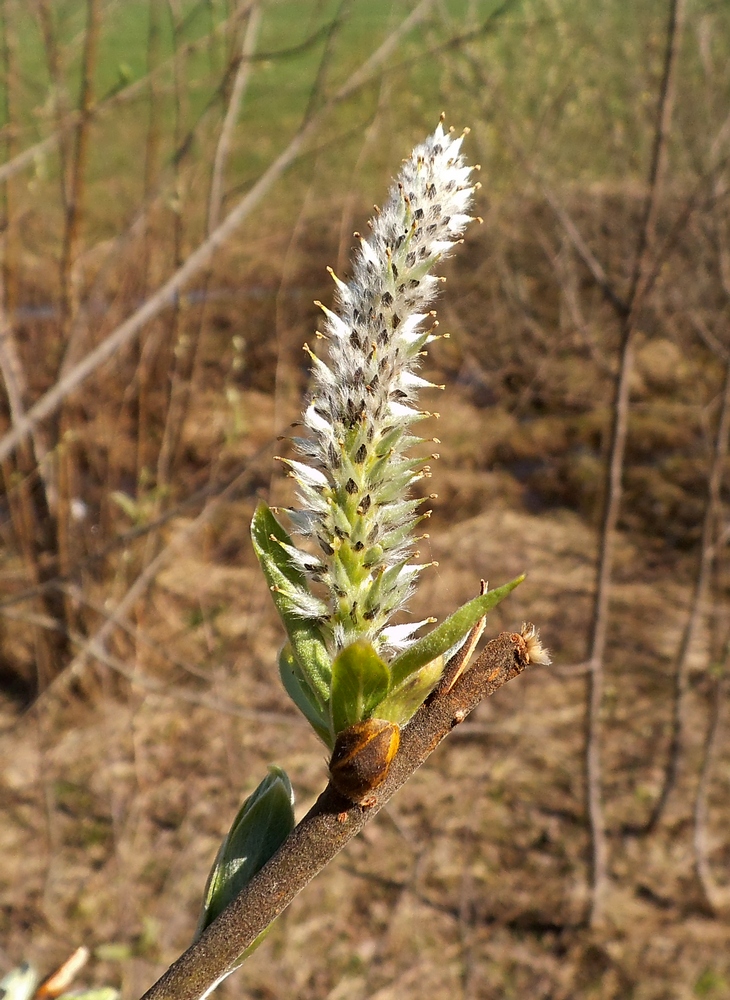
(327, 828)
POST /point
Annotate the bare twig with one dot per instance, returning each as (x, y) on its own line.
(78, 169)
(717, 896)
(698, 609)
(187, 362)
(326, 829)
(250, 38)
(614, 484)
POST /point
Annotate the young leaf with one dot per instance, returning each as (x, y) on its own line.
(296, 686)
(405, 700)
(447, 634)
(261, 826)
(284, 578)
(360, 681)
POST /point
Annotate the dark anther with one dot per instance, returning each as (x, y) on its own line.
(353, 612)
(410, 258)
(396, 321)
(395, 270)
(351, 486)
(358, 546)
(418, 214)
(365, 504)
(372, 613)
(361, 454)
(387, 299)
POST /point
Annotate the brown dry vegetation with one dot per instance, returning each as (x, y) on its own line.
(122, 771)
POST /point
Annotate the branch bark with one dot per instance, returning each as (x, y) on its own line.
(329, 825)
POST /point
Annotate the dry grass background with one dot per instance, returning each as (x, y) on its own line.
(120, 777)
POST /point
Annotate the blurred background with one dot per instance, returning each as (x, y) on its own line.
(176, 176)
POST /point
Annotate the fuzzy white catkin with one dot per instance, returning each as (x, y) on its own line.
(355, 477)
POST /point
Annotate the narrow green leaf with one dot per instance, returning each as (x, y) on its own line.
(261, 826)
(282, 574)
(296, 686)
(447, 634)
(405, 700)
(360, 681)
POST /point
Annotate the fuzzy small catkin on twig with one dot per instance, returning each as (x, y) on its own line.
(356, 475)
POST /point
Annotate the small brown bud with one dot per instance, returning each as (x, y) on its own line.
(361, 758)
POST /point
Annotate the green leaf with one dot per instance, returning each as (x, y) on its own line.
(296, 686)
(447, 634)
(405, 700)
(283, 576)
(261, 826)
(360, 681)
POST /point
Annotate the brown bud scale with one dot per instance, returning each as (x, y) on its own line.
(361, 758)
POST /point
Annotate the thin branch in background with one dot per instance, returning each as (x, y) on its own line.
(74, 206)
(614, 477)
(63, 468)
(26, 479)
(717, 896)
(698, 610)
(188, 357)
(233, 111)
